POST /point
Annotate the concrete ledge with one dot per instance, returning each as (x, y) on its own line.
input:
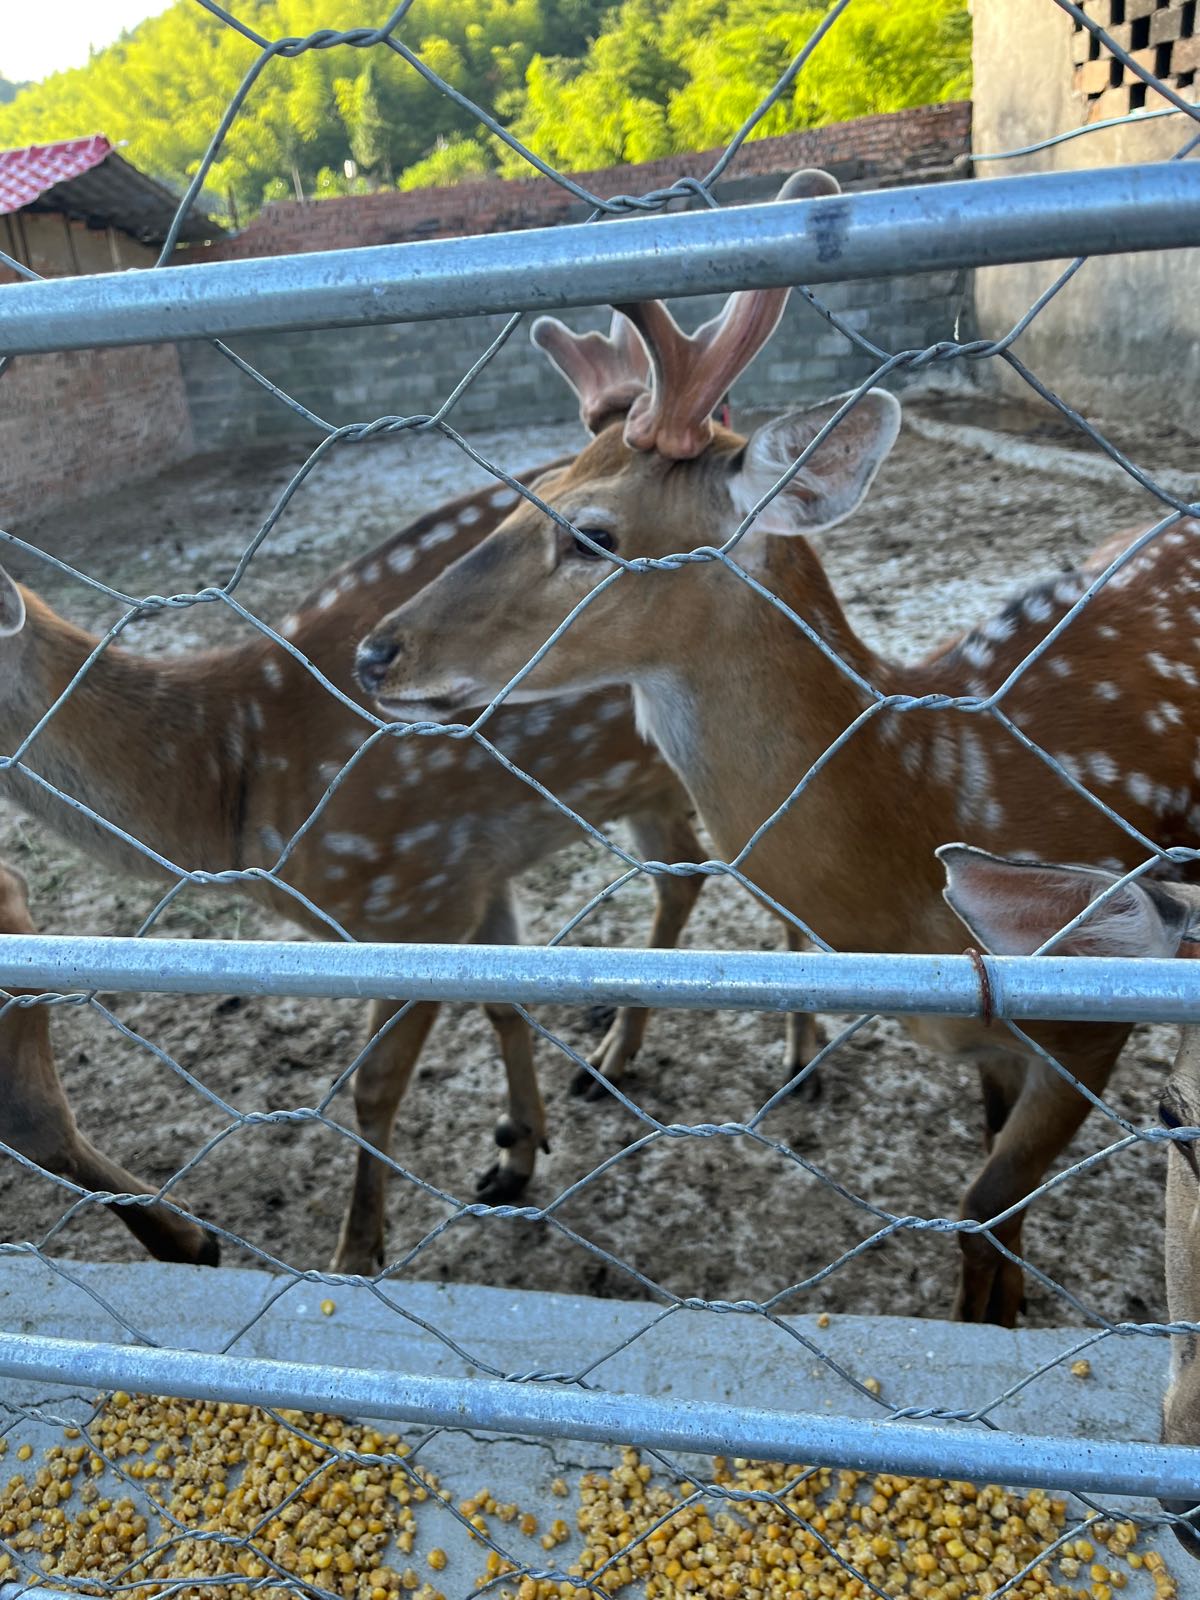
(452, 1329)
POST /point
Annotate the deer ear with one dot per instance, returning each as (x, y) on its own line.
(12, 606)
(1013, 907)
(834, 479)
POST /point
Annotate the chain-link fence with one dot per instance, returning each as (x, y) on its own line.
(1059, 730)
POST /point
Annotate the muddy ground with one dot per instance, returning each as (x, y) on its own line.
(950, 529)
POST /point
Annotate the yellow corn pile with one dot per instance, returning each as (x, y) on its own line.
(255, 1498)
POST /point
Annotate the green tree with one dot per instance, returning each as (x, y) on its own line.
(451, 162)
(584, 83)
(163, 88)
(685, 75)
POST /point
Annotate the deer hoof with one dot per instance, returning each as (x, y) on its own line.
(809, 1090)
(586, 1086)
(500, 1185)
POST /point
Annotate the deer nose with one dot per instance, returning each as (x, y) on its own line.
(1188, 1536)
(372, 660)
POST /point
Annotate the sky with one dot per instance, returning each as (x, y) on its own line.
(37, 40)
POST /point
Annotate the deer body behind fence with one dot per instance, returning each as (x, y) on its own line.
(214, 761)
(743, 702)
(1014, 908)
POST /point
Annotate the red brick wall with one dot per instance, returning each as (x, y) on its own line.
(81, 421)
(900, 146)
(85, 420)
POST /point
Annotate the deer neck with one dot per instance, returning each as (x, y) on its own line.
(156, 748)
(746, 710)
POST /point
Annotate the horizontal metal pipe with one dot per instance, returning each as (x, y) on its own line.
(1066, 988)
(868, 234)
(549, 1411)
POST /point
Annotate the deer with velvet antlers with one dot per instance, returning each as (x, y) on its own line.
(742, 701)
(1013, 908)
(36, 1120)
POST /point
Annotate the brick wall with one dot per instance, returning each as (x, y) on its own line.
(84, 420)
(81, 421)
(903, 146)
(356, 374)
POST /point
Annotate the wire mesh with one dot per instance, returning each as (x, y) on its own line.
(358, 825)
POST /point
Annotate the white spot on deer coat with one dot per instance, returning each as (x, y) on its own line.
(270, 838)
(413, 838)
(1139, 787)
(401, 557)
(273, 673)
(290, 626)
(1036, 607)
(977, 653)
(438, 534)
(441, 757)
(372, 572)
(976, 778)
(1105, 690)
(998, 629)
(352, 844)
(1101, 767)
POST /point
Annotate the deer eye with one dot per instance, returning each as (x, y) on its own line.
(604, 537)
(1168, 1115)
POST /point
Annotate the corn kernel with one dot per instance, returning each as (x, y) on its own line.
(437, 1559)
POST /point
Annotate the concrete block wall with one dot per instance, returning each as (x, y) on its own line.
(349, 375)
(358, 374)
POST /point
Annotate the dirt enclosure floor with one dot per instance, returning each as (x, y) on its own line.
(716, 1217)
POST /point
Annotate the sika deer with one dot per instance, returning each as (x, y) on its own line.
(215, 760)
(36, 1120)
(1013, 908)
(742, 702)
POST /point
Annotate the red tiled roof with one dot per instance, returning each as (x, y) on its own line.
(89, 181)
(25, 174)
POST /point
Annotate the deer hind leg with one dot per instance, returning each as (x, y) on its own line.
(663, 833)
(803, 1038)
(36, 1119)
(521, 1129)
(1042, 1120)
(379, 1086)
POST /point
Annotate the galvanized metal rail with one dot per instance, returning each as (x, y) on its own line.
(869, 234)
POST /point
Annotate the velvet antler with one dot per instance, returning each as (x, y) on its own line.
(608, 371)
(692, 372)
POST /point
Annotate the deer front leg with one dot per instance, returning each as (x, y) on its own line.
(379, 1086)
(1044, 1118)
(521, 1129)
(662, 834)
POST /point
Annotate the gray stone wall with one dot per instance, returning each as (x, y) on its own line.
(358, 374)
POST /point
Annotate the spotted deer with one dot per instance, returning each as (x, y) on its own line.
(1013, 908)
(36, 1120)
(214, 760)
(742, 702)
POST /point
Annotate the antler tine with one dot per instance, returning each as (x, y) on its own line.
(692, 373)
(607, 371)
